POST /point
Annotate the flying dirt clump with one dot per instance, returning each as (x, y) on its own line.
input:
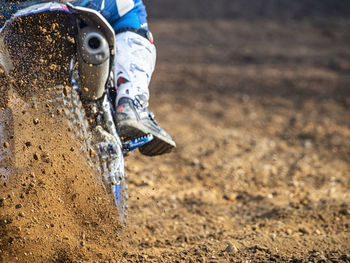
(53, 205)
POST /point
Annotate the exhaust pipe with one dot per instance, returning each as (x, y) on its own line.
(93, 61)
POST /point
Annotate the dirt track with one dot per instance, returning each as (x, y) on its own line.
(260, 112)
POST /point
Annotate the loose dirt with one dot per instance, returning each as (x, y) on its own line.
(52, 200)
(260, 113)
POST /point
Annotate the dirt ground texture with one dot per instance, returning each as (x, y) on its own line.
(260, 111)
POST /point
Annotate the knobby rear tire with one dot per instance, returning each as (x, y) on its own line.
(80, 129)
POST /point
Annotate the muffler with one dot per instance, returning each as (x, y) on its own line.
(93, 62)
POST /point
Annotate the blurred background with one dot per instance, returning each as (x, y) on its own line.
(257, 96)
(281, 10)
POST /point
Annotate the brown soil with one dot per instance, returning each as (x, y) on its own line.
(260, 113)
(53, 201)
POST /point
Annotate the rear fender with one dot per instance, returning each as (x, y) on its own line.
(36, 45)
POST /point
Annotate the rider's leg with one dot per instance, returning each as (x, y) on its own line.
(134, 65)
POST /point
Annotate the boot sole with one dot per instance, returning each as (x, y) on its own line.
(130, 129)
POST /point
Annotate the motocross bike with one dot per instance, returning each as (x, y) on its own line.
(78, 46)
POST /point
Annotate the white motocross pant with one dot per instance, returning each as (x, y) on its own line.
(134, 64)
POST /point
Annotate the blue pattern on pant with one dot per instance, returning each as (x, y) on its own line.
(136, 17)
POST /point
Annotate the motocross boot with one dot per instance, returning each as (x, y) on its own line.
(134, 121)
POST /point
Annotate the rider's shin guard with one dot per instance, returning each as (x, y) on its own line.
(134, 64)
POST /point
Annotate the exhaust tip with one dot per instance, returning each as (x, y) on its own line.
(93, 46)
(94, 43)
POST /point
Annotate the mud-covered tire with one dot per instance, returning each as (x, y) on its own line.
(80, 129)
(68, 103)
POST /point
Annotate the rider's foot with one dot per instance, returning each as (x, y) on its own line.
(134, 121)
